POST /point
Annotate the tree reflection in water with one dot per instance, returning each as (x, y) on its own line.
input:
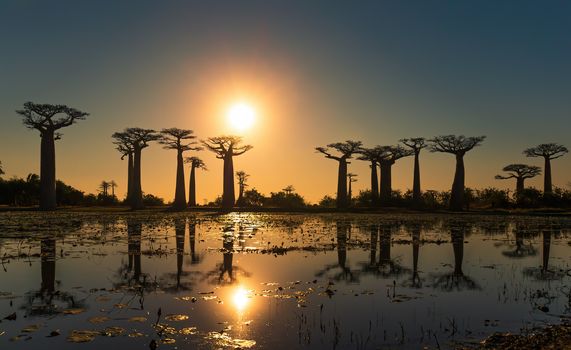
(49, 300)
(521, 249)
(344, 272)
(546, 272)
(456, 280)
(226, 273)
(386, 266)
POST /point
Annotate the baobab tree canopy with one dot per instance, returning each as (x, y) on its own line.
(455, 144)
(546, 150)
(415, 143)
(393, 153)
(519, 170)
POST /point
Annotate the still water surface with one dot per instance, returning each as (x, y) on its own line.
(279, 281)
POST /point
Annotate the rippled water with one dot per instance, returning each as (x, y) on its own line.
(280, 281)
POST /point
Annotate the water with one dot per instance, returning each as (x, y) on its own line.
(277, 281)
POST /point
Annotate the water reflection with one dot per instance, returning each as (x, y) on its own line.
(344, 272)
(521, 249)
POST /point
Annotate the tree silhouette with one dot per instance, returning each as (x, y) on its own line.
(125, 147)
(104, 187)
(47, 119)
(138, 139)
(520, 172)
(416, 144)
(242, 178)
(389, 155)
(548, 151)
(112, 184)
(457, 145)
(195, 163)
(347, 149)
(175, 138)
(225, 148)
(289, 190)
(372, 155)
(351, 178)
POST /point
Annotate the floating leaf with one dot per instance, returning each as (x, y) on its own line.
(73, 311)
(81, 336)
(176, 317)
(188, 331)
(113, 331)
(98, 319)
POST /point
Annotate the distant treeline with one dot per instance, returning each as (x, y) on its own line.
(26, 192)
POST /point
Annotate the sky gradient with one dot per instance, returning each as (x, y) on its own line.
(316, 71)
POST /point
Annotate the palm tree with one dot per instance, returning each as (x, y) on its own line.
(548, 151)
(226, 148)
(416, 144)
(520, 172)
(458, 146)
(347, 149)
(242, 178)
(112, 184)
(104, 187)
(195, 163)
(47, 119)
(174, 138)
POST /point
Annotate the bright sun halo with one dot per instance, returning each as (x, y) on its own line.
(241, 116)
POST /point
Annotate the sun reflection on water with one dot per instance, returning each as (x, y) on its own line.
(241, 298)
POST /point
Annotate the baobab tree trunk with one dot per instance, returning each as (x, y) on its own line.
(228, 197)
(547, 186)
(48, 172)
(240, 195)
(374, 184)
(342, 229)
(342, 184)
(519, 185)
(130, 173)
(416, 180)
(415, 249)
(180, 195)
(386, 186)
(192, 188)
(137, 200)
(457, 195)
(385, 245)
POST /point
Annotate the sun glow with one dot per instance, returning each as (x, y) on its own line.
(241, 298)
(241, 116)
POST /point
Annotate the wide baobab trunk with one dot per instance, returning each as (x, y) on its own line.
(48, 172)
(180, 195)
(519, 185)
(192, 187)
(130, 173)
(228, 197)
(547, 186)
(457, 195)
(416, 180)
(240, 195)
(342, 185)
(386, 182)
(137, 200)
(374, 184)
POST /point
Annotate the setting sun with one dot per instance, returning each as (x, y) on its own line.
(241, 116)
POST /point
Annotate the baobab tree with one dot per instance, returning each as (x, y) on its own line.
(520, 172)
(125, 147)
(179, 140)
(195, 163)
(242, 178)
(389, 155)
(226, 148)
(548, 151)
(346, 149)
(47, 119)
(138, 140)
(458, 146)
(372, 155)
(416, 144)
(350, 178)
